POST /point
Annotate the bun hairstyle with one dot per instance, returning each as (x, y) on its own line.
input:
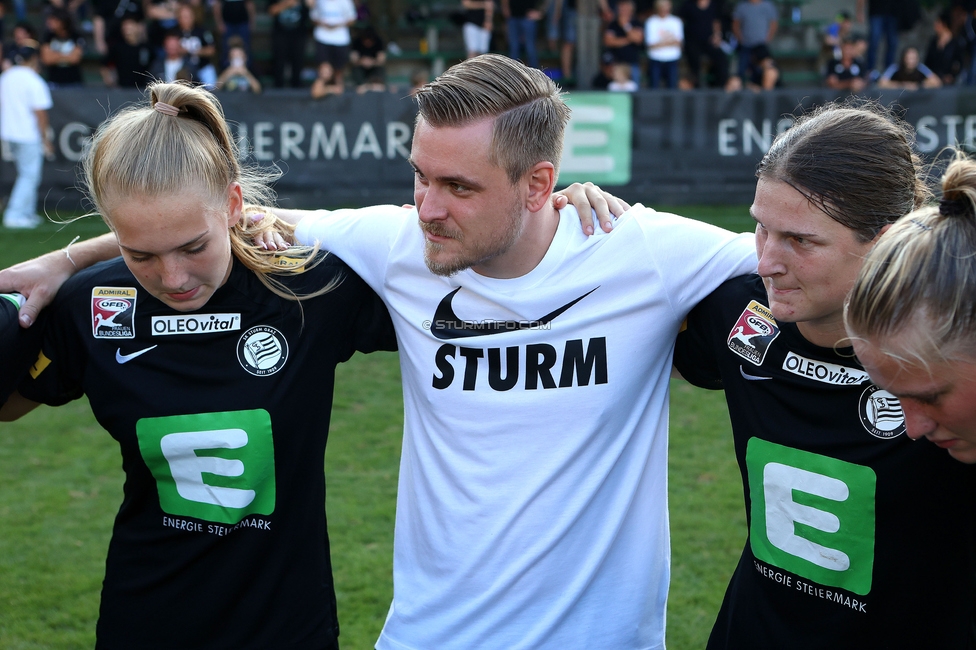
(180, 141)
(920, 279)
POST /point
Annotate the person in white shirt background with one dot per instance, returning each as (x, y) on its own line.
(663, 35)
(24, 102)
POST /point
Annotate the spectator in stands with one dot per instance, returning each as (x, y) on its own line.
(234, 18)
(325, 82)
(107, 21)
(161, 19)
(174, 63)
(885, 18)
(23, 34)
(368, 59)
(561, 20)
(129, 61)
(946, 53)
(603, 78)
(289, 31)
(762, 73)
(62, 50)
(197, 43)
(847, 72)
(703, 39)
(521, 18)
(622, 80)
(624, 38)
(835, 33)
(754, 24)
(476, 29)
(418, 80)
(236, 77)
(76, 9)
(24, 104)
(332, 19)
(909, 73)
(664, 35)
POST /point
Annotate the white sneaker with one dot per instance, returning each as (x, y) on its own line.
(21, 222)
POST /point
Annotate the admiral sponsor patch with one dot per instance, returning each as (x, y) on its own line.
(881, 413)
(753, 332)
(262, 350)
(113, 312)
(828, 373)
(195, 324)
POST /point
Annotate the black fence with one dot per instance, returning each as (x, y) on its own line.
(656, 147)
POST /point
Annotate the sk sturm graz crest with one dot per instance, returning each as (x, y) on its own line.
(262, 350)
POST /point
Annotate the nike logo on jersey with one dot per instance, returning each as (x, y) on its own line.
(446, 324)
(749, 377)
(125, 358)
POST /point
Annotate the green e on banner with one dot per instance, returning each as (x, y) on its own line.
(598, 139)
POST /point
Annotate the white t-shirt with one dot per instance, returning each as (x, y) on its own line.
(22, 91)
(532, 500)
(334, 12)
(658, 29)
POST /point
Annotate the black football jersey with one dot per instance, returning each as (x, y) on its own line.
(858, 537)
(222, 417)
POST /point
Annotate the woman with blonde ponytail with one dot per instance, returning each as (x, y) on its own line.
(198, 351)
(912, 315)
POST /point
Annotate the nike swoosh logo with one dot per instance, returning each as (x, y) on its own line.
(446, 325)
(751, 377)
(125, 358)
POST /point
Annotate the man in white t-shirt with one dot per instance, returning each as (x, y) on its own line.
(532, 498)
(532, 503)
(24, 102)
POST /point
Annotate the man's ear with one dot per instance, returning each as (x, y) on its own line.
(540, 181)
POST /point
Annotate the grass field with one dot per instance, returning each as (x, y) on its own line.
(60, 485)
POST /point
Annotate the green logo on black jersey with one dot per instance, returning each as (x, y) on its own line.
(213, 466)
(812, 515)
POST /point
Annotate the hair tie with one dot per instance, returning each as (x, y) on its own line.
(955, 208)
(166, 109)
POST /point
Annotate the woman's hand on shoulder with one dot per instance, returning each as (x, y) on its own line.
(588, 198)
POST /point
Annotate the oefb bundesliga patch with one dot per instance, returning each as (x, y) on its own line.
(753, 332)
(113, 311)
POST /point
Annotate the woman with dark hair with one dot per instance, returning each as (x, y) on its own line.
(838, 500)
(909, 73)
(62, 50)
(912, 317)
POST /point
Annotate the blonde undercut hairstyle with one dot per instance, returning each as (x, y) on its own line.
(527, 107)
(142, 151)
(915, 297)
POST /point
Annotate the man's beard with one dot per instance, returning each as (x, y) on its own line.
(477, 254)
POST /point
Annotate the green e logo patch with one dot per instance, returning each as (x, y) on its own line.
(213, 466)
(812, 515)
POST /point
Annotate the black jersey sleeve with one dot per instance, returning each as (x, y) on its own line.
(57, 376)
(373, 329)
(696, 349)
(18, 347)
(360, 317)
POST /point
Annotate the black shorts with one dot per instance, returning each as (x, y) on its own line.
(336, 55)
